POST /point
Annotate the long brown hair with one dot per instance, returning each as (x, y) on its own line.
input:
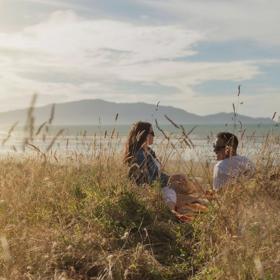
(136, 138)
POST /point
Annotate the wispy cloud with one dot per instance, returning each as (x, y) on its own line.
(60, 4)
(65, 33)
(66, 47)
(70, 57)
(257, 20)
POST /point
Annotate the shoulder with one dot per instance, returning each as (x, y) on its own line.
(140, 153)
(220, 164)
(243, 160)
(246, 162)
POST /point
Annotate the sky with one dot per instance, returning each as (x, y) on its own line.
(190, 54)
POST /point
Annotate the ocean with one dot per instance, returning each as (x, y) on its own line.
(86, 139)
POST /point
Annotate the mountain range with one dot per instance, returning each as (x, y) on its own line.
(97, 111)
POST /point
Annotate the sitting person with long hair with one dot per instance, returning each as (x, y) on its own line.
(145, 168)
(142, 160)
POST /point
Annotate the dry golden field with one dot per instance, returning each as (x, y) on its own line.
(79, 217)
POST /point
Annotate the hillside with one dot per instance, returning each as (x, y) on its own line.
(92, 112)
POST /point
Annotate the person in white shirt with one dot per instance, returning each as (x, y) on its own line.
(230, 166)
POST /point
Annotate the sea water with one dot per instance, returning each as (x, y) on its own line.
(170, 141)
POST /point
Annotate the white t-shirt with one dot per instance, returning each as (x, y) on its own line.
(230, 169)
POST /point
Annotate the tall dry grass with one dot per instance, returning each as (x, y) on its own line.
(77, 216)
(86, 221)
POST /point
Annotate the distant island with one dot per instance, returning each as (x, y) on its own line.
(97, 111)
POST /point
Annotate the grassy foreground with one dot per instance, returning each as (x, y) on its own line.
(85, 220)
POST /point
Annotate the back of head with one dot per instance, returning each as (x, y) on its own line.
(136, 138)
(228, 139)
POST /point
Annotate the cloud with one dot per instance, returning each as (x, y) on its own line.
(67, 34)
(257, 20)
(183, 74)
(74, 58)
(59, 4)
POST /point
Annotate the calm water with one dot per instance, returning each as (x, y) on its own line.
(90, 139)
(198, 131)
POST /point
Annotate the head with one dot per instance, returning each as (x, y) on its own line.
(225, 145)
(140, 136)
